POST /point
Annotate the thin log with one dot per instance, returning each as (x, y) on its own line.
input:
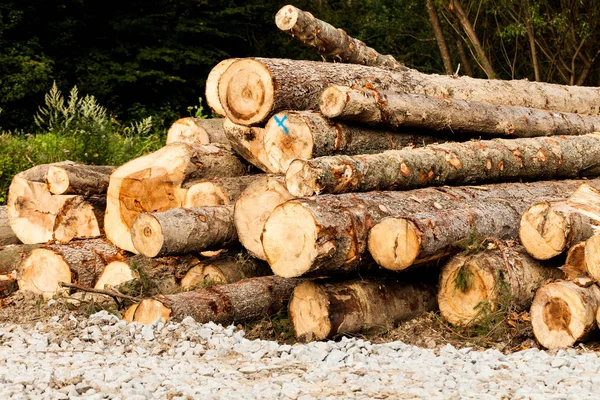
(80, 218)
(223, 269)
(217, 191)
(307, 134)
(254, 207)
(322, 309)
(212, 83)
(182, 230)
(85, 180)
(459, 116)
(197, 131)
(7, 236)
(564, 313)
(330, 41)
(449, 163)
(105, 292)
(254, 89)
(472, 286)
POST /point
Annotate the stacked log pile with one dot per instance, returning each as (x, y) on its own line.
(319, 186)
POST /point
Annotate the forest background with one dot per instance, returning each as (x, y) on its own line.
(101, 81)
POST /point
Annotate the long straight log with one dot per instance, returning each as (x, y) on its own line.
(307, 134)
(225, 304)
(212, 83)
(449, 163)
(330, 41)
(564, 313)
(181, 230)
(472, 286)
(85, 180)
(7, 236)
(217, 191)
(249, 143)
(328, 234)
(155, 182)
(252, 90)
(409, 110)
(197, 131)
(322, 309)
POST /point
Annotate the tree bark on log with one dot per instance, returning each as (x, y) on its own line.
(222, 269)
(80, 218)
(472, 286)
(249, 143)
(232, 303)
(7, 236)
(564, 313)
(155, 183)
(398, 243)
(212, 85)
(253, 89)
(197, 131)
(307, 134)
(254, 207)
(328, 234)
(548, 229)
(217, 191)
(330, 41)
(84, 180)
(182, 230)
(12, 256)
(450, 163)
(322, 309)
(458, 116)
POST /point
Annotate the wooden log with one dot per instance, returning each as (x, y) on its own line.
(592, 257)
(8, 285)
(13, 255)
(450, 163)
(398, 243)
(307, 134)
(155, 183)
(322, 309)
(254, 207)
(252, 90)
(564, 313)
(330, 41)
(226, 304)
(328, 234)
(217, 191)
(212, 83)
(85, 180)
(148, 311)
(129, 313)
(548, 229)
(410, 110)
(197, 131)
(80, 218)
(472, 286)
(182, 230)
(576, 258)
(7, 236)
(249, 143)
(222, 269)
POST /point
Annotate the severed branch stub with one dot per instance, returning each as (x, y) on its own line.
(105, 292)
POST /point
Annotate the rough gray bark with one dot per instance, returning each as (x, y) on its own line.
(7, 236)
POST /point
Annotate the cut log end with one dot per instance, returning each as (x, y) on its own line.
(186, 130)
(205, 194)
(114, 274)
(543, 231)
(333, 101)
(592, 257)
(212, 85)
(464, 286)
(246, 92)
(576, 258)
(149, 311)
(286, 17)
(147, 235)
(395, 243)
(290, 240)
(42, 273)
(301, 180)
(309, 312)
(287, 137)
(58, 180)
(129, 313)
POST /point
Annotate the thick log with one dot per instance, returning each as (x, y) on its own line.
(472, 286)
(82, 262)
(155, 183)
(254, 207)
(231, 303)
(7, 236)
(85, 180)
(197, 131)
(307, 134)
(217, 191)
(148, 311)
(450, 163)
(322, 309)
(222, 269)
(252, 90)
(564, 313)
(249, 143)
(182, 230)
(398, 243)
(328, 234)
(548, 229)
(212, 83)
(592, 257)
(80, 218)
(330, 41)
(458, 116)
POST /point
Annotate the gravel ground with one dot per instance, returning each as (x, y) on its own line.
(104, 357)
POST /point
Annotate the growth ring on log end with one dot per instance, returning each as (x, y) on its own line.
(543, 232)
(394, 243)
(309, 312)
(147, 235)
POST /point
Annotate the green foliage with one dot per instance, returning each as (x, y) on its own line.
(463, 279)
